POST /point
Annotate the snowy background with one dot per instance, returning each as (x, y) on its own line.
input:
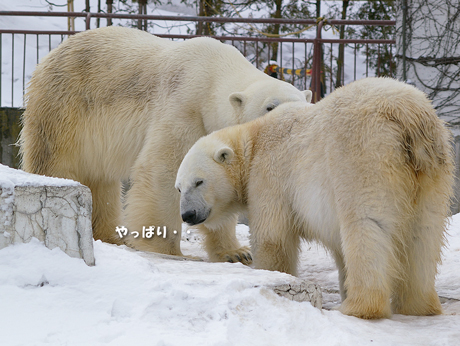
(129, 298)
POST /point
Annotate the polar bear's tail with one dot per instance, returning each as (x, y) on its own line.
(426, 141)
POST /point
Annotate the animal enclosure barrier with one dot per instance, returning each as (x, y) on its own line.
(21, 49)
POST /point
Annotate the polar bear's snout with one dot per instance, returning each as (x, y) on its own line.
(193, 218)
(193, 208)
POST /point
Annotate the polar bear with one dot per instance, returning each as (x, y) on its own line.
(367, 172)
(116, 103)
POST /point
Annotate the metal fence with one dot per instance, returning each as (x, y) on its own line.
(307, 62)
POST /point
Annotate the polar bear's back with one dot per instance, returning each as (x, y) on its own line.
(106, 62)
(377, 113)
(376, 129)
(98, 67)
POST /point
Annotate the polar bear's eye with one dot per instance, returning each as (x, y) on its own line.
(272, 105)
(198, 183)
(178, 190)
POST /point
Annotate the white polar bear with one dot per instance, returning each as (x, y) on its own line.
(116, 103)
(367, 172)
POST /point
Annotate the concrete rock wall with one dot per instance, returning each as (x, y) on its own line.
(58, 215)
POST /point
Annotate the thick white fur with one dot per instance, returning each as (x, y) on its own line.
(117, 103)
(367, 172)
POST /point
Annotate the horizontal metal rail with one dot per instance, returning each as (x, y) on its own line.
(160, 17)
(198, 18)
(38, 32)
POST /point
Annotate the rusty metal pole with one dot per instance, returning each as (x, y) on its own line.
(70, 20)
(109, 11)
(313, 68)
(404, 37)
(88, 21)
(313, 74)
(316, 73)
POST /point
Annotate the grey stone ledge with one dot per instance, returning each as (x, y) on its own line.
(59, 216)
(300, 291)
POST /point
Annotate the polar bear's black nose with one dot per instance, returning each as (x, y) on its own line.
(192, 217)
(189, 217)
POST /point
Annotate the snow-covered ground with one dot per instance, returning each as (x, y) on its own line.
(48, 298)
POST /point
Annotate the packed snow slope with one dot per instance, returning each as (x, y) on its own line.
(128, 298)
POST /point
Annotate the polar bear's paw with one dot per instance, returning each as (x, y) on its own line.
(369, 307)
(243, 255)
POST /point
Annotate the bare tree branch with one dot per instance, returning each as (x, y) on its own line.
(433, 53)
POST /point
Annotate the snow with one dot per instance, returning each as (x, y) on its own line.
(129, 298)
(9, 178)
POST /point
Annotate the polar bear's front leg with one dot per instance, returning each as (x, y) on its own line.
(152, 199)
(275, 238)
(275, 241)
(221, 244)
(152, 202)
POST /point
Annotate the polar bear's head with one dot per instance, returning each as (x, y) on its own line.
(262, 97)
(207, 191)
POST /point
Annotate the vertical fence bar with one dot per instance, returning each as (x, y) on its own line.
(330, 70)
(24, 70)
(305, 67)
(12, 70)
(404, 34)
(354, 66)
(49, 43)
(293, 61)
(1, 63)
(391, 60)
(316, 64)
(318, 61)
(280, 50)
(268, 54)
(343, 65)
(313, 71)
(378, 60)
(257, 54)
(367, 60)
(88, 21)
(38, 49)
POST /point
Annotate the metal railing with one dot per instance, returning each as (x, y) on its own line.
(16, 59)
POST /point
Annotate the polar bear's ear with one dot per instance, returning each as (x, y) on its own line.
(223, 154)
(237, 100)
(308, 95)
